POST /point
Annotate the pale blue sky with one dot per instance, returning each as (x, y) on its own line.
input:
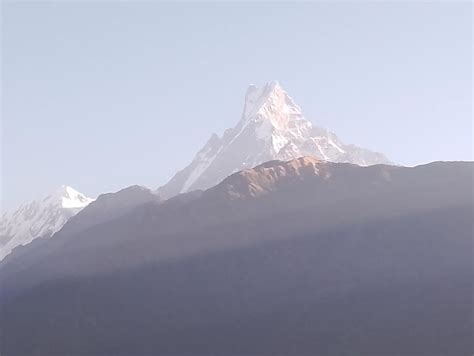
(100, 96)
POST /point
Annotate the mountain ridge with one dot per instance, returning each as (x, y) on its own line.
(270, 188)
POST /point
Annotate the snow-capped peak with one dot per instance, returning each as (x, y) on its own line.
(272, 127)
(70, 198)
(256, 98)
(39, 218)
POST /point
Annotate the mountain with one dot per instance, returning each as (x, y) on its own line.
(39, 218)
(272, 127)
(298, 257)
(106, 207)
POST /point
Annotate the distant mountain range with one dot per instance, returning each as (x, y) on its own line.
(272, 127)
(297, 257)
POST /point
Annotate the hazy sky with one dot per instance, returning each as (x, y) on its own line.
(100, 96)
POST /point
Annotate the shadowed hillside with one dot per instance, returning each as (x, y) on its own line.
(295, 258)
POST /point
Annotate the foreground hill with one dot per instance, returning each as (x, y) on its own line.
(301, 257)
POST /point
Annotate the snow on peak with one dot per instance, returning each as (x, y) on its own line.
(275, 115)
(39, 218)
(70, 198)
(272, 127)
(256, 98)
